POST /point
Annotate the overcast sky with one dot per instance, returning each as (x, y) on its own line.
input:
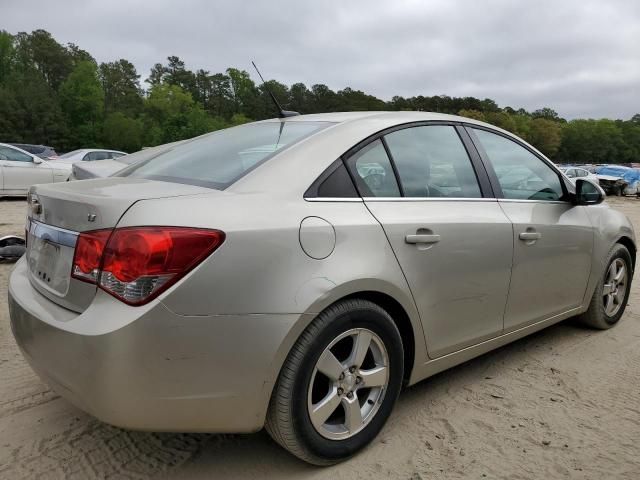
(579, 57)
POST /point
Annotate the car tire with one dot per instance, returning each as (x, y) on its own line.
(599, 315)
(338, 332)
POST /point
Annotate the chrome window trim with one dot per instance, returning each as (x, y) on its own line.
(428, 199)
(57, 235)
(332, 199)
(524, 200)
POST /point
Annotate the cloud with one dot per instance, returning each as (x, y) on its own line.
(579, 57)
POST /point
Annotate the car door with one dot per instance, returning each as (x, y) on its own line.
(553, 238)
(452, 240)
(20, 171)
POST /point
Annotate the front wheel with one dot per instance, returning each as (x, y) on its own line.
(339, 383)
(612, 292)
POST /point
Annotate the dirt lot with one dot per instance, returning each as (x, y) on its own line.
(562, 403)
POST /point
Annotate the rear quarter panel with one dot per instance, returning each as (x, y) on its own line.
(261, 267)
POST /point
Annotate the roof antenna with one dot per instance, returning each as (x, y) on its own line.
(281, 113)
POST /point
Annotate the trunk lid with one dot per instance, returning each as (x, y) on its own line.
(59, 212)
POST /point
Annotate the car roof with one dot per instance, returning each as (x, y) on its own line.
(399, 116)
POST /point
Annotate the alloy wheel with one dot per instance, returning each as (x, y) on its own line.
(348, 384)
(615, 287)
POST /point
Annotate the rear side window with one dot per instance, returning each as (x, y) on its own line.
(521, 174)
(92, 156)
(218, 159)
(432, 162)
(372, 171)
(335, 182)
(12, 155)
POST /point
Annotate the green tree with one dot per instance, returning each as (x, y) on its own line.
(121, 85)
(7, 52)
(82, 100)
(475, 114)
(545, 135)
(171, 114)
(123, 133)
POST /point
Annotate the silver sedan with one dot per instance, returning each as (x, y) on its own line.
(297, 273)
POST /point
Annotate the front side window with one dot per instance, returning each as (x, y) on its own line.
(13, 155)
(218, 159)
(432, 162)
(521, 174)
(372, 170)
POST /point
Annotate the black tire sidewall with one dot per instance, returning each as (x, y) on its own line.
(382, 325)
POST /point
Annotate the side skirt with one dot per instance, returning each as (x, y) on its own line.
(445, 362)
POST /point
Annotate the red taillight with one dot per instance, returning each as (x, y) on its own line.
(88, 255)
(135, 264)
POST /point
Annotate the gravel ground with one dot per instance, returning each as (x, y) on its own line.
(562, 403)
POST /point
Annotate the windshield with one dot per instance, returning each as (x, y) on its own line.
(70, 154)
(218, 159)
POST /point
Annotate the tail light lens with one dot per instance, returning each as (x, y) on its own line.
(136, 264)
(88, 255)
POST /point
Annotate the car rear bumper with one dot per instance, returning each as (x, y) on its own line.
(158, 371)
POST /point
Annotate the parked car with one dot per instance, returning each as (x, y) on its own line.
(198, 291)
(89, 155)
(20, 169)
(42, 151)
(106, 168)
(619, 180)
(574, 173)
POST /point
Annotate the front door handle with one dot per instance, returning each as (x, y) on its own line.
(422, 238)
(530, 236)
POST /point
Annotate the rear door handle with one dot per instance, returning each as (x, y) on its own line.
(529, 236)
(422, 238)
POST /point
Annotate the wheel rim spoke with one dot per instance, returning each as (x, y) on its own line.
(607, 289)
(352, 412)
(360, 347)
(376, 377)
(608, 303)
(329, 365)
(611, 273)
(323, 409)
(620, 274)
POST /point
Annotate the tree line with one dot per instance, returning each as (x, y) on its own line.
(59, 95)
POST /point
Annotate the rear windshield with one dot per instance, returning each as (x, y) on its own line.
(218, 159)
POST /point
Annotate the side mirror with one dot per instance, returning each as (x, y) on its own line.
(37, 160)
(588, 193)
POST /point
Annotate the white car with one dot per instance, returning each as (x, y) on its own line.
(106, 168)
(20, 169)
(89, 155)
(574, 173)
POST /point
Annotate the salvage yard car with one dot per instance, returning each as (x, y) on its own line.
(301, 290)
(20, 169)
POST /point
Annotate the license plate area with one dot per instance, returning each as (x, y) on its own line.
(50, 256)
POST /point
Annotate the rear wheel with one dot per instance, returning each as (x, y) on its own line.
(339, 383)
(612, 292)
